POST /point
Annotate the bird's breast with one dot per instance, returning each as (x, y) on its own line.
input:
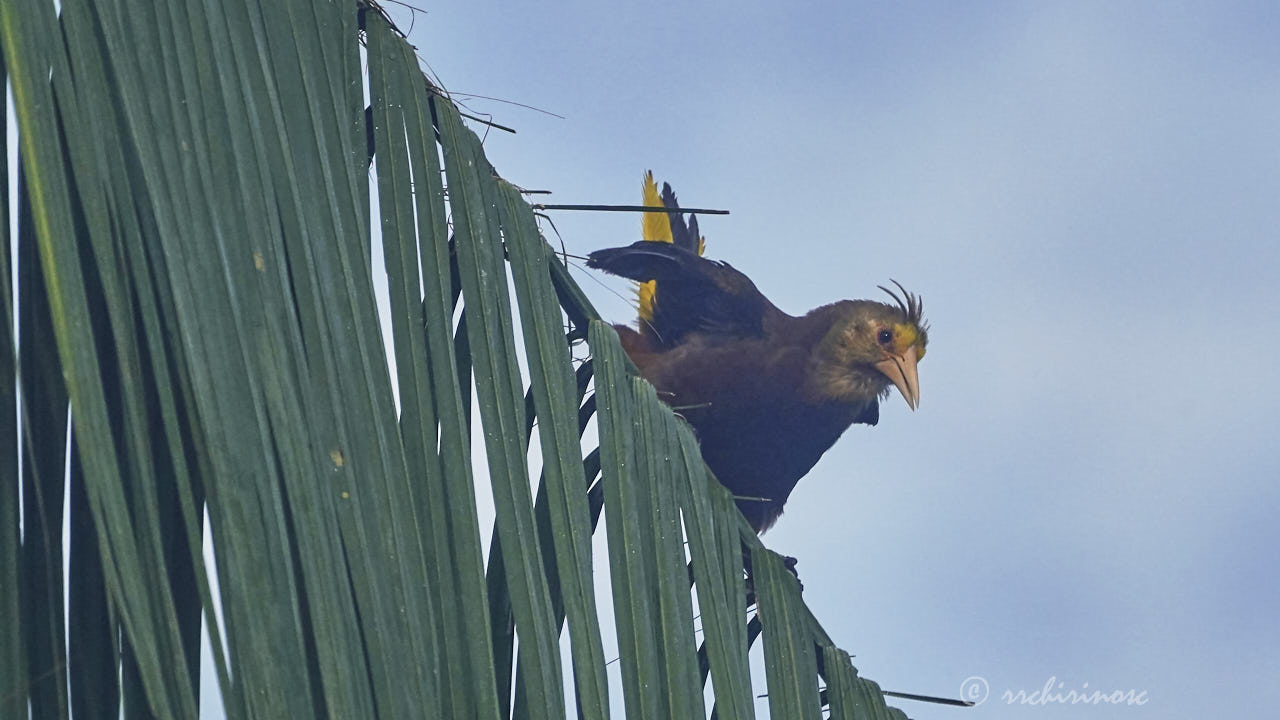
(759, 431)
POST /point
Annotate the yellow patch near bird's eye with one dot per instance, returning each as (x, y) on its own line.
(904, 336)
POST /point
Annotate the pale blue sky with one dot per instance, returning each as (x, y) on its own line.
(1086, 194)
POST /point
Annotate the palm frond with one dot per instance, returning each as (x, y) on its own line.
(195, 253)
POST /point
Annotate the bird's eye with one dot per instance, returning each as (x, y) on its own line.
(885, 337)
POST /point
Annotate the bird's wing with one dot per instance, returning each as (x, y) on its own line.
(694, 294)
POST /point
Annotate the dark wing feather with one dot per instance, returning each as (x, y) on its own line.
(693, 294)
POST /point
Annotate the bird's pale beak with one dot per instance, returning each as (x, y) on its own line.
(901, 369)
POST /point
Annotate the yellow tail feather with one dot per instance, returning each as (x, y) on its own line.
(655, 228)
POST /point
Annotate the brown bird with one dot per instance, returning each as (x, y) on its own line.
(767, 393)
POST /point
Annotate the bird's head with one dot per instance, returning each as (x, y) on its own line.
(871, 346)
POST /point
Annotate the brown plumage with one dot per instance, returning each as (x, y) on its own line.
(766, 392)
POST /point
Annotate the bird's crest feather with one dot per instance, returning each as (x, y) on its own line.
(912, 305)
